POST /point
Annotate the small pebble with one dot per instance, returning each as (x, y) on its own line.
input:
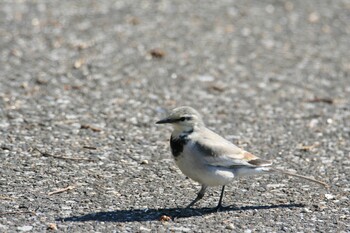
(314, 17)
(306, 210)
(230, 226)
(329, 196)
(144, 161)
(25, 228)
(205, 78)
(313, 123)
(144, 229)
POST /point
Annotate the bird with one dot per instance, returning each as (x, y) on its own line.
(209, 159)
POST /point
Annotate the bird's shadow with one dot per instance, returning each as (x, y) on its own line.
(141, 215)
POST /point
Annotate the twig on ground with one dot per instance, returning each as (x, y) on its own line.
(308, 147)
(321, 100)
(70, 187)
(2, 197)
(90, 147)
(45, 154)
(17, 212)
(93, 128)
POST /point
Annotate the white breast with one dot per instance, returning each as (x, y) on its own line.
(192, 164)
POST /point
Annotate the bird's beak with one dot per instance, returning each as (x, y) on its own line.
(165, 121)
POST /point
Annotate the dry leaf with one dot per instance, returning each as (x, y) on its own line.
(52, 226)
(157, 53)
(164, 218)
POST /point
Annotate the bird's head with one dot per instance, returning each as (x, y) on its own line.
(183, 118)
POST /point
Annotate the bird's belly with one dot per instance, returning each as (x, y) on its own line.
(202, 173)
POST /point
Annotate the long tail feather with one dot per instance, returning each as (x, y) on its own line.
(299, 176)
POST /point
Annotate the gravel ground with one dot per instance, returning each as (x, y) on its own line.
(82, 83)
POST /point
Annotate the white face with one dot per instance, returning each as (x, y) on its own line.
(185, 123)
(183, 118)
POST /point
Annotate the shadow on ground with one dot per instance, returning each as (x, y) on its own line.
(155, 214)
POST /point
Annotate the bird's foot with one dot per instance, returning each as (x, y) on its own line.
(218, 208)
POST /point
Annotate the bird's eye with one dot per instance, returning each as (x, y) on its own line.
(185, 118)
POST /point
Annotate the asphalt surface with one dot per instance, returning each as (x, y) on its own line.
(82, 83)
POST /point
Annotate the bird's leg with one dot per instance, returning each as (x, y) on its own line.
(219, 206)
(200, 195)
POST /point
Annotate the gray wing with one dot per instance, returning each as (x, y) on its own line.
(217, 151)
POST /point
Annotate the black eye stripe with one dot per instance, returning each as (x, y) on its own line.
(185, 118)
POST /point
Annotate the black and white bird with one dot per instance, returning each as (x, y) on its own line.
(208, 158)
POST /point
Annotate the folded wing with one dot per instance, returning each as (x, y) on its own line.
(217, 151)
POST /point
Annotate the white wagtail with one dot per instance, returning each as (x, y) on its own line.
(208, 158)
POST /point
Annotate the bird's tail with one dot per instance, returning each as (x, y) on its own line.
(299, 176)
